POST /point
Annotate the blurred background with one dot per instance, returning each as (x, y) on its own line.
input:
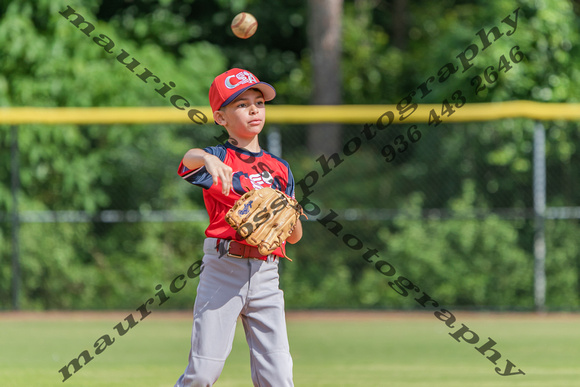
(95, 216)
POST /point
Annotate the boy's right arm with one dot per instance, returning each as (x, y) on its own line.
(197, 158)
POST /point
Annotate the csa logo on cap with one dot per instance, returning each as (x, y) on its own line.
(243, 77)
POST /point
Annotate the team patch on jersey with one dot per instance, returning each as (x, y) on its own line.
(261, 180)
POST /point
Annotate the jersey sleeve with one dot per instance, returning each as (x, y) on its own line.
(201, 176)
(290, 188)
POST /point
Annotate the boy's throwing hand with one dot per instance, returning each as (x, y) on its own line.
(219, 171)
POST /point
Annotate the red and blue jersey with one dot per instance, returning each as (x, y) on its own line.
(250, 171)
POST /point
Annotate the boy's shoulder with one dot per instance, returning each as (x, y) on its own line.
(243, 154)
(241, 159)
(218, 150)
(279, 159)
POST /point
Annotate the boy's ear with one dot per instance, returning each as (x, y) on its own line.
(218, 117)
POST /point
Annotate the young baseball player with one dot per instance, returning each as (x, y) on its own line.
(236, 281)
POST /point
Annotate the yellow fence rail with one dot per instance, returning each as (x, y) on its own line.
(293, 114)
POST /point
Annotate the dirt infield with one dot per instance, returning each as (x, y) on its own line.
(303, 315)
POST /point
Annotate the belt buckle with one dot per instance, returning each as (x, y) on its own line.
(234, 255)
(239, 256)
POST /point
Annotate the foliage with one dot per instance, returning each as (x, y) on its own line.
(460, 169)
(173, 25)
(91, 168)
(461, 262)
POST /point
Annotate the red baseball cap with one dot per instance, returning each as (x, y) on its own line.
(228, 86)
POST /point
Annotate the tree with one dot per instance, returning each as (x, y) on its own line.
(49, 61)
(325, 35)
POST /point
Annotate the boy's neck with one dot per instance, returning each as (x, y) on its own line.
(250, 145)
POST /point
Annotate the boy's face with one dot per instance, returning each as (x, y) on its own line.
(245, 116)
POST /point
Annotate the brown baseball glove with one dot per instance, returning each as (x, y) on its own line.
(264, 218)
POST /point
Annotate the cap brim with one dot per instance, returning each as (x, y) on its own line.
(267, 90)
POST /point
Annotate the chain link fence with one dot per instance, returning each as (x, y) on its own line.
(97, 217)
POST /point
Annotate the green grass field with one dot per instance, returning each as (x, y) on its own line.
(329, 349)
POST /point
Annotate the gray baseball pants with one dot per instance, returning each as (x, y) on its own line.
(230, 288)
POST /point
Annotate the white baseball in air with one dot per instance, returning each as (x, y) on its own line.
(244, 25)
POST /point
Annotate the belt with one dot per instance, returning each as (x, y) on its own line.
(235, 249)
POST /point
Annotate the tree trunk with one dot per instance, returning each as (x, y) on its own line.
(400, 33)
(324, 35)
